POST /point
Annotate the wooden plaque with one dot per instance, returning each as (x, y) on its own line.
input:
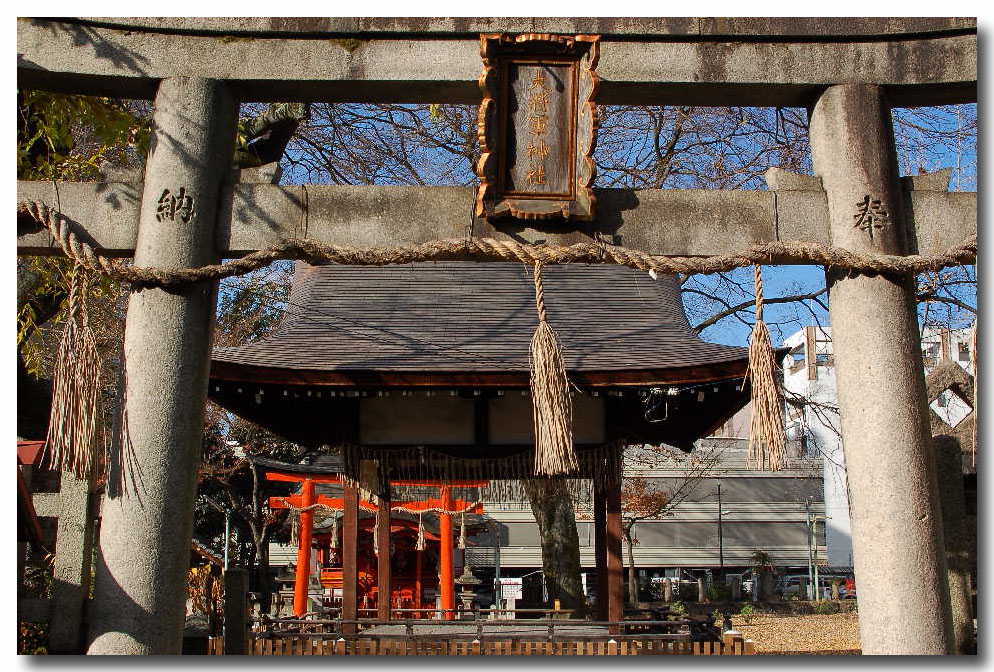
(537, 127)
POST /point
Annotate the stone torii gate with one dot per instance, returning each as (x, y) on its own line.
(848, 72)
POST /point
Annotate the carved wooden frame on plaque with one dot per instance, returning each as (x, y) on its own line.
(553, 128)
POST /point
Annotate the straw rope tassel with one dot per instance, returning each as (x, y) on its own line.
(419, 545)
(552, 407)
(72, 428)
(767, 438)
(462, 532)
(334, 533)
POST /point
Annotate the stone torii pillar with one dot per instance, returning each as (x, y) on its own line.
(897, 535)
(147, 517)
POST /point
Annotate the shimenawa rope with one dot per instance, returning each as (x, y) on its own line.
(552, 406)
(490, 249)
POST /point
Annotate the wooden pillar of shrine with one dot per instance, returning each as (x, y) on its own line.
(350, 564)
(383, 583)
(600, 550)
(615, 583)
(302, 577)
(446, 574)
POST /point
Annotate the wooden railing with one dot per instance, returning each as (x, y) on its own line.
(483, 637)
(300, 645)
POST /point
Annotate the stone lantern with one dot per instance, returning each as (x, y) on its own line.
(469, 582)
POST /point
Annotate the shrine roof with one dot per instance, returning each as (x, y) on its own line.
(433, 323)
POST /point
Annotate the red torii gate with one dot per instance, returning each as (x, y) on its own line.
(307, 500)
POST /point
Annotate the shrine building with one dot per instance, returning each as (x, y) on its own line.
(418, 375)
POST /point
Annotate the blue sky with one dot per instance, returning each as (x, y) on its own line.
(927, 138)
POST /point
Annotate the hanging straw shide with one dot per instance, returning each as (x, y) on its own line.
(419, 545)
(552, 407)
(767, 438)
(74, 422)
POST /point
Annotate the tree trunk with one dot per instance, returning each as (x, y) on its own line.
(262, 581)
(633, 583)
(553, 510)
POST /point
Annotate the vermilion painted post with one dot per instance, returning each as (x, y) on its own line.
(382, 532)
(446, 579)
(350, 565)
(304, 550)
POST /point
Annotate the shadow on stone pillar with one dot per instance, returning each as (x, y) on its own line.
(236, 619)
(949, 466)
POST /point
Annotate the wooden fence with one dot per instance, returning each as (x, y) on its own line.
(304, 645)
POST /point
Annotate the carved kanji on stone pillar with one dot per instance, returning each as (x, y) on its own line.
(537, 127)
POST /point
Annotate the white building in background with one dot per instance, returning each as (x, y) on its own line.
(809, 373)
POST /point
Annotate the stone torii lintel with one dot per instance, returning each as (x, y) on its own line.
(723, 61)
(674, 222)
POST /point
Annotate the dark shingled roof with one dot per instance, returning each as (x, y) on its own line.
(479, 318)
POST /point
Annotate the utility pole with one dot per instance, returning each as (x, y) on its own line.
(721, 541)
(227, 536)
(813, 544)
(498, 597)
(807, 521)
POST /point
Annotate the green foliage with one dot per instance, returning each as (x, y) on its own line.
(761, 560)
(747, 609)
(826, 607)
(65, 137)
(69, 138)
(32, 639)
(678, 608)
(719, 592)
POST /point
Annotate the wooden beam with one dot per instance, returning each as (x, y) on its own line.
(665, 69)
(338, 504)
(300, 478)
(674, 222)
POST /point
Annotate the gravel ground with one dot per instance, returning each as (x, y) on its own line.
(832, 634)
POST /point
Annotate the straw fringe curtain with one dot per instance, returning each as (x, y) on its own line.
(502, 473)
